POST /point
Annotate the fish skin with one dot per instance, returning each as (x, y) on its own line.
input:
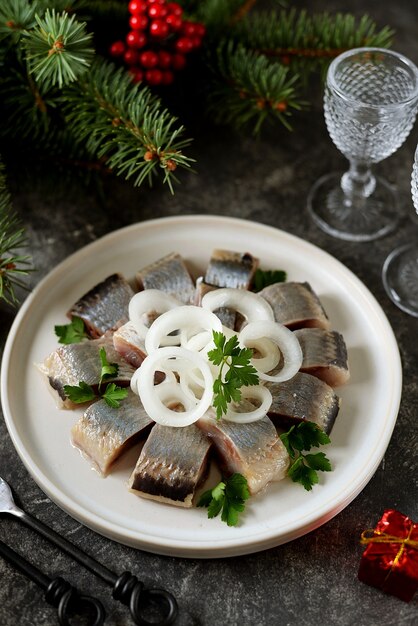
(254, 450)
(303, 398)
(103, 433)
(324, 355)
(172, 464)
(129, 345)
(72, 363)
(231, 269)
(170, 275)
(296, 305)
(105, 306)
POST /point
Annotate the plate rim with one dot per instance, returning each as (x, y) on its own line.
(195, 549)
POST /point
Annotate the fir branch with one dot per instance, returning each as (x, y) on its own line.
(12, 238)
(16, 16)
(251, 88)
(57, 49)
(125, 124)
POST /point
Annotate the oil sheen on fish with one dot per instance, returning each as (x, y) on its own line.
(296, 305)
(231, 269)
(303, 398)
(324, 355)
(105, 307)
(254, 450)
(168, 274)
(129, 345)
(103, 433)
(172, 464)
(76, 362)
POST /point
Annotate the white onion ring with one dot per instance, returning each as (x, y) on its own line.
(256, 391)
(270, 354)
(249, 304)
(188, 318)
(151, 300)
(286, 341)
(149, 393)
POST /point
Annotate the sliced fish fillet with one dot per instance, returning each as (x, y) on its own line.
(103, 433)
(231, 269)
(324, 355)
(76, 362)
(172, 464)
(296, 305)
(303, 398)
(105, 307)
(168, 274)
(254, 450)
(129, 345)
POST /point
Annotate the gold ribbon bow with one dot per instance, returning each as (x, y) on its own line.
(374, 536)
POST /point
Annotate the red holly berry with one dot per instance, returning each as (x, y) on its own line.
(154, 77)
(136, 39)
(184, 45)
(137, 74)
(174, 21)
(200, 29)
(117, 49)
(156, 1)
(130, 57)
(164, 59)
(138, 22)
(175, 9)
(188, 29)
(168, 77)
(178, 61)
(158, 29)
(196, 41)
(157, 11)
(148, 59)
(137, 6)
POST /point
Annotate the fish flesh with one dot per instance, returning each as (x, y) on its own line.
(303, 398)
(129, 345)
(296, 305)
(231, 269)
(324, 355)
(254, 450)
(227, 316)
(76, 362)
(170, 275)
(172, 464)
(105, 307)
(103, 433)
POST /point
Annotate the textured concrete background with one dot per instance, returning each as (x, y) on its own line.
(313, 579)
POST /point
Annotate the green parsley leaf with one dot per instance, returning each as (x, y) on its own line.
(109, 370)
(228, 497)
(303, 468)
(79, 393)
(264, 278)
(114, 394)
(240, 373)
(71, 333)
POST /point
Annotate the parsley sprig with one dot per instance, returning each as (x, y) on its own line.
(74, 332)
(112, 394)
(304, 467)
(240, 373)
(228, 496)
(264, 278)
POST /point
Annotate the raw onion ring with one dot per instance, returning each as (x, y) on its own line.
(247, 417)
(249, 304)
(151, 300)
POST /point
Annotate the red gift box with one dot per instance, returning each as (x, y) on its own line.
(390, 561)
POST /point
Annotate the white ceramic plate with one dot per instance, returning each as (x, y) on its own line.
(284, 511)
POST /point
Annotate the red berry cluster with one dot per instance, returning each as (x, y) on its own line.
(158, 42)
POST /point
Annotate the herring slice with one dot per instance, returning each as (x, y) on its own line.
(254, 450)
(170, 275)
(324, 355)
(103, 433)
(231, 269)
(172, 464)
(296, 305)
(129, 345)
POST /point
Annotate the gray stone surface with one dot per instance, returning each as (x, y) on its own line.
(313, 579)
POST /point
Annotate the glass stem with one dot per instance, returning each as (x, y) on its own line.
(358, 181)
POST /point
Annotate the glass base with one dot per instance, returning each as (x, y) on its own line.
(352, 219)
(400, 277)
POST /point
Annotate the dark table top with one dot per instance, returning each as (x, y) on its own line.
(313, 578)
